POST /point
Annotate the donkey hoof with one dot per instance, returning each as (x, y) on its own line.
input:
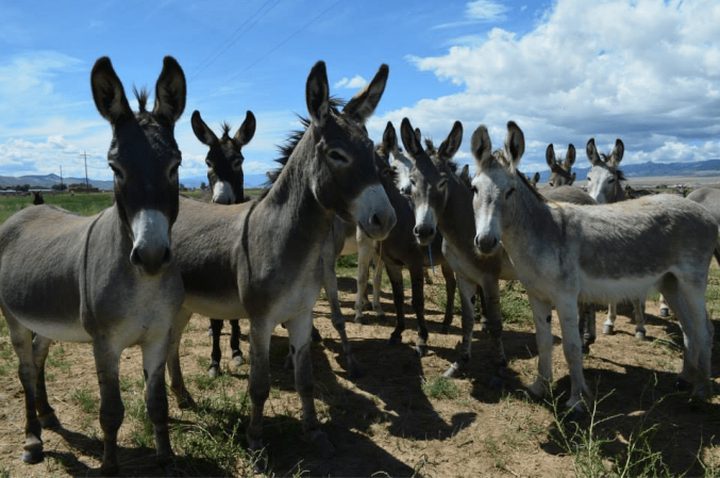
(608, 330)
(316, 337)
(395, 339)
(33, 454)
(664, 312)
(640, 335)
(452, 371)
(237, 361)
(585, 348)
(49, 421)
(185, 401)
(421, 350)
(360, 319)
(682, 385)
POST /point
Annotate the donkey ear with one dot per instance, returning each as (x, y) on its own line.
(514, 143)
(246, 131)
(535, 178)
(481, 147)
(592, 152)
(170, 91)
(418, 134)
(409, 139)
(465, 174)
(617, 153)
(389, 137)
(450, 146)
(362, 105)
(317, 94)
(572, 178)
(550, 155)
(570, 157)
(204, 134)
(108, 92)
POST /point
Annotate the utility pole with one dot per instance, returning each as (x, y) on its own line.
(61, 179)
(87, 184)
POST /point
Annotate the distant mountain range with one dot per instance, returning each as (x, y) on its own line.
(710, 167)
(48, 180)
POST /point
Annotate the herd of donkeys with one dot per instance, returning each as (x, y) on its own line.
(135, 273)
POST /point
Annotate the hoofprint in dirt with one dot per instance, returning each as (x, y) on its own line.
(399, 418)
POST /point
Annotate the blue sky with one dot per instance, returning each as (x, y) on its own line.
(645, 71)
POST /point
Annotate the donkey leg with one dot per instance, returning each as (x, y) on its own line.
(609, 325)
(664, 309)
(418, 303)
(542, 315)
(639, 313)
(177, 384)
(587, 325)
(112, 410)
(491, 304)
(154, 357)
(21, 338)
(670, 290)
(450, 286)
(216, 354)
(364, 256)
(377, 288)
(46, 413)
(338, 319)
(572, 349)
(396, 281)
(259, 386)
(237, 355)
(467, 290)
(299, 336)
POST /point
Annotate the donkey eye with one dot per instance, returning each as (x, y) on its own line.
(337, 156)
(117, 172)
(209, 163)
(173, 171)
(611, 180)
(474, 190)
(550, 183)
(510, 191)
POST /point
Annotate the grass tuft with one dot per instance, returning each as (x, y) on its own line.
(441, 388)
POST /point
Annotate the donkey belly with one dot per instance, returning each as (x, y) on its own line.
(58, 328)
(225, 306)
(603, 290)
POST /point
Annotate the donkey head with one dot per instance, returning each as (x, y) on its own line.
(400, 164)
(345, 177)
(604, 177)
(224, 159)
(560, 169)
(534, 180)
(495, 183)
(144, 158)
(429, 178)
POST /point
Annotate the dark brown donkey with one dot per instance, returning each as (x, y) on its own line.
(225, 175)
(261, 259)
(106, 279)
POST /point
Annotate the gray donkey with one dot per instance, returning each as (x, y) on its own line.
(709, 198)
(443, 203)
(225, 175)
(605, 186)
(261, 259)
(561, 173)
(106, 279)
(659, 241)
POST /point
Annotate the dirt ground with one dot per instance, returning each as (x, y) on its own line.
(392, 421)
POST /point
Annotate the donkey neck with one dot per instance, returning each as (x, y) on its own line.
(452, 221)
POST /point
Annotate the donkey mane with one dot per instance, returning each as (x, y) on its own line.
(432, 151)
(225, 129)
(532, 189)
(619, 175)
(286, 149)
(142, 96)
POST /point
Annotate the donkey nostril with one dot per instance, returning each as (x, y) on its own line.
(375, 220)
(135, 258)
(416, 230)
(167, 256)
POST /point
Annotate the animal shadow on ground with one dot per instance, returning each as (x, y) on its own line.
(137, 461)
(643, 404)
(350, 417)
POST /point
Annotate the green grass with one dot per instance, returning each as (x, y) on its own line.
(81, 203)
(514, 304)
(87, 400)
(441, 388)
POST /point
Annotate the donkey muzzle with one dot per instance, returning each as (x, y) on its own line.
(374, 213)
(486, 244)
(151, 241)
(424, 234)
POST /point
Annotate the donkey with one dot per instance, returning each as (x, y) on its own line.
(660, 241)
(443, 203)
(605, 186)
(225, 176)
(106, 279)
(261, 259)
(560, 169)
(38, 198)
(709, 198)
(400, 250)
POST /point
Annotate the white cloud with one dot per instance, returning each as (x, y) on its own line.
(355, 82)
(485, 10)
(645, 71)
